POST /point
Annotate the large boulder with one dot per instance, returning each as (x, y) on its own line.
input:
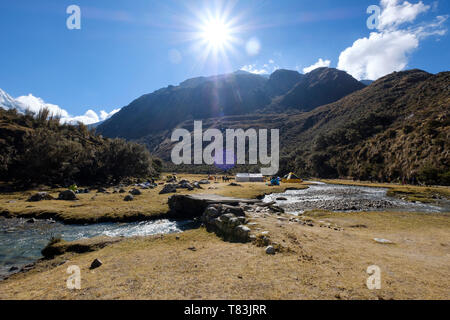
(40, 196)
(169, 188)
(67, 195)
(193, 206)
(219, 219)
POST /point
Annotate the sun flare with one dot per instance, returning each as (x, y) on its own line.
(216, 33)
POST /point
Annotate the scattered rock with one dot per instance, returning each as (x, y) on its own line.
(135, 192)
(101, 190)
(96, 264)
(281, 199)
(197, 185)
(270, 250)
(169, 188)
(122, 190)
(192, 248)
(67, 195)
(40, 196)
(13, 268)
(234, 184)
(184, 184)
(383, 241)
(204, 181)
(32, 220)
(129, 198)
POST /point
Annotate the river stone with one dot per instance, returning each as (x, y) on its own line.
(40, 196)
(96, 264)
(67, 195)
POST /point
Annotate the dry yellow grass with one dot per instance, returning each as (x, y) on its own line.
(98, 207)
(320, 263)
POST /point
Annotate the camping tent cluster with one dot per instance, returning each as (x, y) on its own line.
(249, 177)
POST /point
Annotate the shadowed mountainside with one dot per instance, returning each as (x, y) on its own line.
(233, 94)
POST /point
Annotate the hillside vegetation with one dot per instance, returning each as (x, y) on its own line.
(37, 149)
(397, 129)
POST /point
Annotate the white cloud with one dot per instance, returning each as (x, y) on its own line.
(35, 104)
(319, 64)
(388, 49)
(253, 69)
(395, 14)
(105, 115)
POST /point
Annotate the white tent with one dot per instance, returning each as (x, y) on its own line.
(249, 177)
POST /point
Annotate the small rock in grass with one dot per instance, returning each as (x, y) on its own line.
(270, 250)
(39, 197)
(96, 264)
(68, 195)
(135, 192)
(383, 241)
(129, 198)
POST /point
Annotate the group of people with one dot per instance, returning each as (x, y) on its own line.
(224, 178)
(275, 181)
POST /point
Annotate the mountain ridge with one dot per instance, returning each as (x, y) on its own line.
(208, 97)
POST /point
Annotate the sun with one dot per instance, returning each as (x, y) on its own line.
(216, 33)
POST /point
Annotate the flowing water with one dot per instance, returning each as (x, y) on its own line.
(21, 242)
(348, 198)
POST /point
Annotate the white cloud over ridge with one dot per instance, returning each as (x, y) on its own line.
(319, 64)
(266, 69)
(389, 48)
(35, 104)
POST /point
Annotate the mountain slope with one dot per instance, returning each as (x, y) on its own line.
(233, 94)
(319, 87)
(397, 128)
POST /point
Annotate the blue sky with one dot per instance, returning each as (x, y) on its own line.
(128, 48)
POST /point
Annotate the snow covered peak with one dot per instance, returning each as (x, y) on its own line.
(7, 102)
